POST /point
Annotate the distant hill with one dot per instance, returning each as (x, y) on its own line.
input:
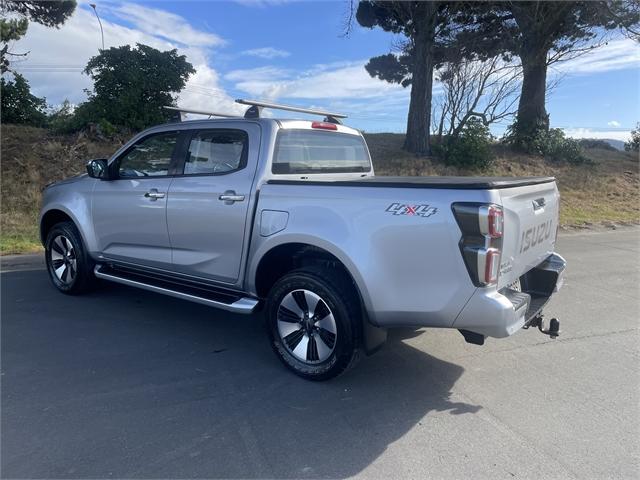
(617, 144)
(602, 143)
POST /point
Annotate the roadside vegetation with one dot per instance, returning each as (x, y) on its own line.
(490, 58)
(603, 190)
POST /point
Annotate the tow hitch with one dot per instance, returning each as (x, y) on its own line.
(538, 321)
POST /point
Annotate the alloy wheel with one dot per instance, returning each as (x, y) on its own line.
(307, 326)
(63, 259)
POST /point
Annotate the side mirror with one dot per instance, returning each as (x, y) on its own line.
(98, 168)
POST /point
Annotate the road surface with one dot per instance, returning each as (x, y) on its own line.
(126, 383)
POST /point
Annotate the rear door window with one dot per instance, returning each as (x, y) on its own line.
(214, 152)
(313, 151)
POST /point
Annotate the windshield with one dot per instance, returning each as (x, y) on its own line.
(313, 151)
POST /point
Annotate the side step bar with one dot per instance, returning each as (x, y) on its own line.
(243, 305)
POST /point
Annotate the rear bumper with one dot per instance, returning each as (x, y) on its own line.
(502, 313)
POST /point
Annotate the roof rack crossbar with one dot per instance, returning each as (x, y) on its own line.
(180, 111)
(255, 107)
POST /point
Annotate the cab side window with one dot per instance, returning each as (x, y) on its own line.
(216, 152)
(150, 157)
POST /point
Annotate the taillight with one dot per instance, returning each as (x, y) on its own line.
(324, 125)
(491, 266)
(491, 221)
(482, 227)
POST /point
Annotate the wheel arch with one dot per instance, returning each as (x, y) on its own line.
(287, 256)
(284, 257)
(57, 214)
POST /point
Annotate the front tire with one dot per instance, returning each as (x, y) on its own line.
(313, 321)
(70, 267)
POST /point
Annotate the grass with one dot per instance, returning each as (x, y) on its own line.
(30, 159)
(603, 192)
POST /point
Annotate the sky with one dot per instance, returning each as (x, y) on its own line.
(296, 52)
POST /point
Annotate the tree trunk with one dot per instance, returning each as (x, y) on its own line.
(532, 113)
(535, 20)
(419, 119)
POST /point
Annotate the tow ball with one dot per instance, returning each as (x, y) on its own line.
(554, 326)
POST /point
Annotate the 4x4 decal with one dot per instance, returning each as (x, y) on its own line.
(419, 210)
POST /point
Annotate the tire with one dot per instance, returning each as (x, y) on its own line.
(70, 267)
(326, 341)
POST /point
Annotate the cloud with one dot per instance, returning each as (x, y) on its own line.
(617, 54)
(58, 56)
(258, 74)
(330, 81)
(613, 123)
(622, 135)
(170, 26)
(267, 52)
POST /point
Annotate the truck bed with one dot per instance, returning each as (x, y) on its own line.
(456, 183)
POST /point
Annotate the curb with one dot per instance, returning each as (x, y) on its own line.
(15, 263)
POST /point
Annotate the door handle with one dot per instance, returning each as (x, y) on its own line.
(230, 197)
(154, 194)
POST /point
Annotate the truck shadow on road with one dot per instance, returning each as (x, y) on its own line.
(126, 383)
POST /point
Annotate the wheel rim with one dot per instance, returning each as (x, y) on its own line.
(63, 259)
(306, 326)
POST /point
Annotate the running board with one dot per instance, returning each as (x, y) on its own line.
(235, 304)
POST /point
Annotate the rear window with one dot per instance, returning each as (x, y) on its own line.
(312, 151)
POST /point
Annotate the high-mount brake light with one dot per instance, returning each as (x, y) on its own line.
(482, 227)
(324, 125)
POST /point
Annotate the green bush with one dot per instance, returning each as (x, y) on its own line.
(19, 105)
(106, 129)
(633, 145)
(470, 149)
(60, 119)
(552, 144)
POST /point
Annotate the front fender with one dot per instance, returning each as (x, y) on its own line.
(76, 204)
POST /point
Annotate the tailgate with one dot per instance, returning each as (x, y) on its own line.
(531, 216)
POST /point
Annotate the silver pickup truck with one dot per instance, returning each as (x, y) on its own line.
(287, 215)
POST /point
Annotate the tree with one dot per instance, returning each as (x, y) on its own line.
(49, 14)
(131, 85)
(542, 33)
(633, 145)
(421, 23)
(19, 105)
(482, 89)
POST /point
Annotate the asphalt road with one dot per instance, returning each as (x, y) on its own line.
(125, 383)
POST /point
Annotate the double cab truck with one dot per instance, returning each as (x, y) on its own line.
(286, 216)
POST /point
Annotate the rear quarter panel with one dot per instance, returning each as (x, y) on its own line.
(408, 267)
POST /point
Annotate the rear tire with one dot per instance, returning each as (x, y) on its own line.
(68, 263)
(314, 321)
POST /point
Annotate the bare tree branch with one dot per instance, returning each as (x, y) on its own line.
(484, 89)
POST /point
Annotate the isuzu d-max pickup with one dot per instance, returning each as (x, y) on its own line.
(287, 215)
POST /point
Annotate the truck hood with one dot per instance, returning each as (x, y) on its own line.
(66, 181)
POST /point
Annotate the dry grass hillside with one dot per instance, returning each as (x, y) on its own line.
(605, 192)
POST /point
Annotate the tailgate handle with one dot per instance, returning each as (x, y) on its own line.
(538, 203)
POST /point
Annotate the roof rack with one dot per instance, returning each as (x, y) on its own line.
(179, 111)
(255, 107)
